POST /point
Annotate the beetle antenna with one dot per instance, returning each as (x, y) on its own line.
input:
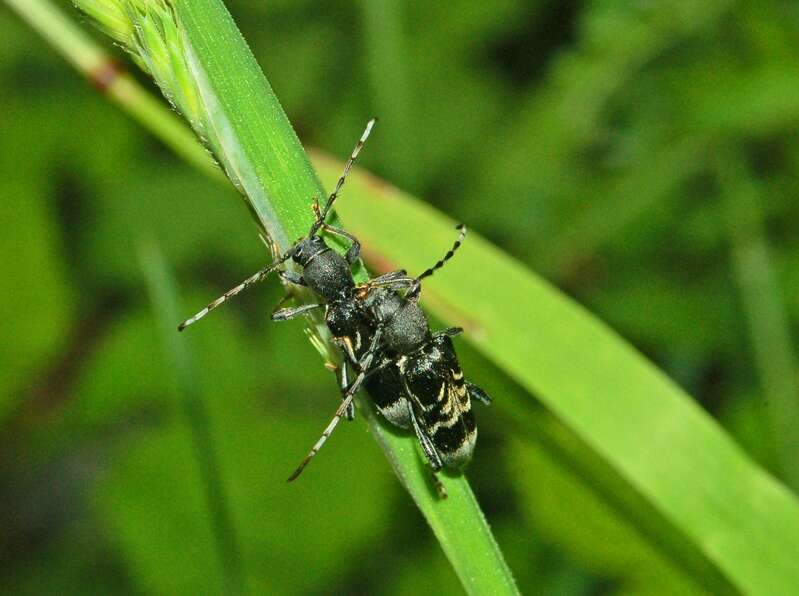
(450, 253)
(332, 198)
(250, 281)
(325, 435)
(349, 394)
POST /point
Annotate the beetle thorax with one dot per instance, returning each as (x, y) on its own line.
(407, 330)
(405, 325)
(325, 271)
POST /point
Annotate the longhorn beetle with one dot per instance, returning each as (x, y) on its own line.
(416, 381)
(413, 376)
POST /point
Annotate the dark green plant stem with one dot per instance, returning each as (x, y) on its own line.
(281, 183)
(762, 300)
(663, 170)
(386, 64)
(108, 77)
(163, 295)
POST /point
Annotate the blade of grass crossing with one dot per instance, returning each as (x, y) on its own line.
(102, 70)
(659, 441)
(163, 296)
(761, 298)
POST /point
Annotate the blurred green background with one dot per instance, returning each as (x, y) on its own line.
(641, 155)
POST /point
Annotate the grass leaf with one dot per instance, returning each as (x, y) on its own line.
(744, 522)
(163, 296)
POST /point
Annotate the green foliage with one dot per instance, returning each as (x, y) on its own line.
(581, 138)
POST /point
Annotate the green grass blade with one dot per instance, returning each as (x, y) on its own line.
(163, 296)
(645, 427)
(389, 83)
(258, 143)
(769, 328)
(457, 521)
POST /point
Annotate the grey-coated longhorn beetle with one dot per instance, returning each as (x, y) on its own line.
(412, 375)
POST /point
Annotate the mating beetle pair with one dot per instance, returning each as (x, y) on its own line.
(412, 374)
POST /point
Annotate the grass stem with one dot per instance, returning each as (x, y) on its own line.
(762, 300)
(108, 76)
(163, 295)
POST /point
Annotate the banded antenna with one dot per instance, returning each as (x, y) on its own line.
(350, 162)
(450, 253)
